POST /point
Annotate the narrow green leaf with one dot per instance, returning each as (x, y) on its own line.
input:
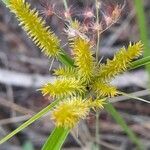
(139, 6)
(142, 24)
(140, 62)
(6, 2)
(30, 121)
(134, 97)
(65, 59)
(118, 118)
(56, 139)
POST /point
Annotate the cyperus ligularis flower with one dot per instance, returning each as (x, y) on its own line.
(74, 85)
(69, 112)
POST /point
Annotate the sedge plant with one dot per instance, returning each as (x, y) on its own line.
(83, 83)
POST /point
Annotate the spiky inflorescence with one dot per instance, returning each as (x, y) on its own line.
(68, 113)
(120, 62)
(65, 72)
(97, 103)
(75, 24)
(63, 87)
(35, 27)
(103, 89)
(83, 58)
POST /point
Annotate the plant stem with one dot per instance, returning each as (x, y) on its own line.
(65, 4)
(97, 137)
(98, 33)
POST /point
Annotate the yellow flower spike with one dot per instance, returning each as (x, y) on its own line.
(103, 89)
(97, 103)
(83, 58)
(65, 72)
(68, 113)
(75, 24)
(63, 87)
(120, 62)
(35, 27)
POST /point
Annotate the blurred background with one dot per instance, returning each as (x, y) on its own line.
(23, 69)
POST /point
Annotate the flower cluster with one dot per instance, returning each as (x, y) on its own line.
(86, 84)
(88, 24)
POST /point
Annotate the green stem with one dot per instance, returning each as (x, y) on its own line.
(98, 33)
(65, 4)
(67, 9)
(97, 136)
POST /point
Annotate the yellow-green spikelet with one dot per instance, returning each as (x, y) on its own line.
(103, 89)
(65, 72)
(35, 27)
(83, 58)
(69, 112)
(120, 62)
(63, 87)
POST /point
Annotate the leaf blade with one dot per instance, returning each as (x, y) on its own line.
(118, 118)
(56, 139)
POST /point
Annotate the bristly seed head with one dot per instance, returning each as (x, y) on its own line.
(68, 13)
(88, 13)
(48, 9)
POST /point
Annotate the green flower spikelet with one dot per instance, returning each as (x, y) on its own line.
(83, 58)
(121, 61)
(35, 27)
(63, 87)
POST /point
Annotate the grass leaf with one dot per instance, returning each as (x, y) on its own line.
(139, 6)
(135, 97)
(56, 139)
(118, 118)
(139, 63)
